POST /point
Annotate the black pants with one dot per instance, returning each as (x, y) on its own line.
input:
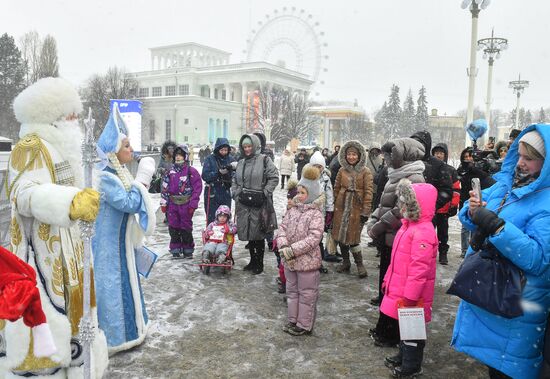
(387, 328)
(283, 177)
(441, 222)
(495, 374)
(385, 260)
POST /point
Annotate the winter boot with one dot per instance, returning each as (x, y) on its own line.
(252, 262)
(358, 258)
(443, 258)
(346, 264)
(259, 267)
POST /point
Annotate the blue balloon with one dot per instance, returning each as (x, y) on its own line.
(476, 129)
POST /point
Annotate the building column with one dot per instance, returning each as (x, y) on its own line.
(227, 87)
(326, 134)
(152, 62)
(212, 90)
(244, 95)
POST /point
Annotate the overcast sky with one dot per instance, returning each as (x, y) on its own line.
(371, 43)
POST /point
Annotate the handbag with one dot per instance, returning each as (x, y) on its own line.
(252, 198)
(490, 281)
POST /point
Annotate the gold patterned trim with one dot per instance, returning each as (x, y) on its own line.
(44, 231)
(15, 232)
(29, 154)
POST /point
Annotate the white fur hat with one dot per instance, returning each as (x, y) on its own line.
(317, 158)
(46, 101)
(310, 181)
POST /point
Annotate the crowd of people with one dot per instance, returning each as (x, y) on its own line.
(402, 193)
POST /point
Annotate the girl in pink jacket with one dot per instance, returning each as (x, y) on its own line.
(410, 278)
(298, 240)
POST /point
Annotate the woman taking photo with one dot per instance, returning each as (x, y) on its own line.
(513, 217)
(256, 177)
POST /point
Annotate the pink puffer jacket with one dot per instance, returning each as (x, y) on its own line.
(302, 229)
(411, 273)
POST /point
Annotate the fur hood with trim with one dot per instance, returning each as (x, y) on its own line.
(416, 200)
(362, 156)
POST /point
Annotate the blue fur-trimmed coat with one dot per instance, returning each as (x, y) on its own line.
(514, 346)
(124, 218)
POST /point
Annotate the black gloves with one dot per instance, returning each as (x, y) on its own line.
(487, 221)
(364, 219)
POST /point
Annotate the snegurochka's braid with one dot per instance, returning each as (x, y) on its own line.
(122, 172)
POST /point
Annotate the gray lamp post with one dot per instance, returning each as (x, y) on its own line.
(518, 86)
(475, 7)
(491, 49)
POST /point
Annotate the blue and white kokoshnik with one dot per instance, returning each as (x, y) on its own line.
(110, 140)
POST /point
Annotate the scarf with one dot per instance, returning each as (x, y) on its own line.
(522, 179)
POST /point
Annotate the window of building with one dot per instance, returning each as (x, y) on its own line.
(186, 121)
(215, 93)
(151, 130)
(224, 94)
(168, 129)
(204, 91)
(144, 92)
(157, 91)
(184, 90)
(169, 91)
(185, 139)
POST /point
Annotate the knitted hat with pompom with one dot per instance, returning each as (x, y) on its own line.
(310, 181)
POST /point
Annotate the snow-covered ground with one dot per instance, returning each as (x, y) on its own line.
(229, 326)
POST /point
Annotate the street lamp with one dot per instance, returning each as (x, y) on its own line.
(491, 49)
(518, 86)
(475, 7)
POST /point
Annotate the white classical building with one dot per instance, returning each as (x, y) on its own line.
(192, 94)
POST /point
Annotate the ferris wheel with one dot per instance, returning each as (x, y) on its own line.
(290, 38)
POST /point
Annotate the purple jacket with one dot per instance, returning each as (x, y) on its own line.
(182, 180)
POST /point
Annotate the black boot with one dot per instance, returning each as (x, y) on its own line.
(443, 258)
(250, 264)
(259, 266)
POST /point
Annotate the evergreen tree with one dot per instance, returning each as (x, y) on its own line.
(408, 117)
(521, 121)
(380, 121)
(528, 120)
(542, 116)
(393, 114)
(12, 81)
(422, 110)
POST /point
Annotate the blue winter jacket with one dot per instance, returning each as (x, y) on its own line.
(514, 346)
(216, 193)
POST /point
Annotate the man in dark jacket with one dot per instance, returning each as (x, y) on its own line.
(334, 167)
(466, 172)
(441, 219)
(435, 172)
(217, 173)
(301, 159)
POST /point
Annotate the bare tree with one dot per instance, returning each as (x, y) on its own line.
(31, 46)
(49, 64)
(356, 128)
(297, 121)
(100, 89)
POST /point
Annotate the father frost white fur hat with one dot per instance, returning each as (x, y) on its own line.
(46, 101)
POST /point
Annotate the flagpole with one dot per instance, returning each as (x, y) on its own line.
(86, 326)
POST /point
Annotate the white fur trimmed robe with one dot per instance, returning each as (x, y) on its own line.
(43, 235)
(124, 218)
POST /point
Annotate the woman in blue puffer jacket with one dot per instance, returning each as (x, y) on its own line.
(520, 232)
